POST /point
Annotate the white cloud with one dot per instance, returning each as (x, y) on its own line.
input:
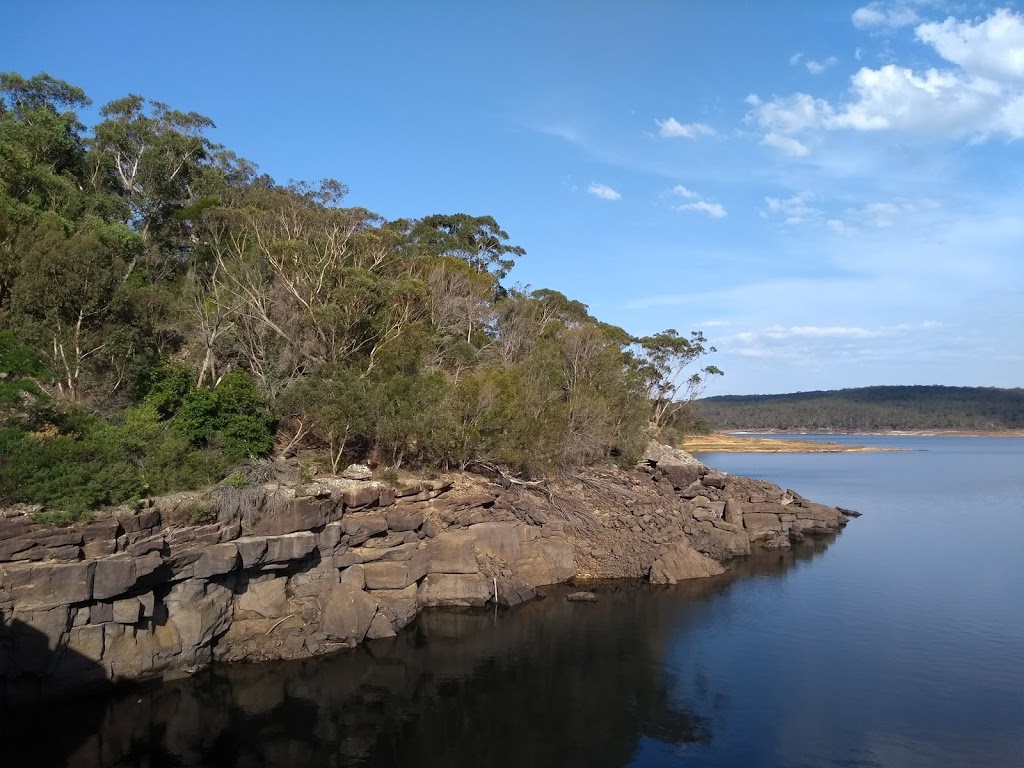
(682, 191)
(699, 204)
(714, 210)
(978, 94)
(787, 144)
(603, 191)
(817, 67)
(794, 210)
(877, 16)
(935, 103)
(790, 114)
(795, 59)
(993, 48)
(670, 128)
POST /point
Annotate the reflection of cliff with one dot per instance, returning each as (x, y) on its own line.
(547, 683)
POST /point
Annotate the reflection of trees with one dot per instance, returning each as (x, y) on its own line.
(549, 683)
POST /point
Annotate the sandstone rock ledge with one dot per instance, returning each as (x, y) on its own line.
(131, 597)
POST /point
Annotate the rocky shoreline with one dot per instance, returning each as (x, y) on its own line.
(296, 573)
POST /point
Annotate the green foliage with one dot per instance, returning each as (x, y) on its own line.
(236, 480)
(390, 476)
(201, 515)
(74, 467)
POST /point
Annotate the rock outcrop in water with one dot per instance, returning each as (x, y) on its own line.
(133, 597)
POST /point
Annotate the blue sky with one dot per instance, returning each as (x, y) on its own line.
(833, 192)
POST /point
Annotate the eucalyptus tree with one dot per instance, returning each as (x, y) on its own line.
(663, 362)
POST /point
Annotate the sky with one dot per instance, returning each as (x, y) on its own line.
(833, 192)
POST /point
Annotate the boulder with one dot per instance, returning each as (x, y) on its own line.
(399, 605)
(546, 561)
(116, 575)
(216, 560)
(455, 589)
(404, 519)
(302, 514)
(663, 456)
(127, 611)
(200, 611)
(362, 496)
(681, 475)
(264, 598)
(353, 577)
(452, 552)
(292, 546)
(759, 523)
(347, 614)
(733, 512)
(682, 562)
(46, 585)
(357, 472)
(362, 526)
(380, 628)
(395, 574)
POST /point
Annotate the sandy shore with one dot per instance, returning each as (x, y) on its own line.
(728, 443)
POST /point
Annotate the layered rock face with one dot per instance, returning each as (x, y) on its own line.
(128, 598)
(131, 597)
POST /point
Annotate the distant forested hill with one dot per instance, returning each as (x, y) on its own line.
(870, 408)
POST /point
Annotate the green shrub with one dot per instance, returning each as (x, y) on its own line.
(79, 466)
(201, 515)
(390, 476)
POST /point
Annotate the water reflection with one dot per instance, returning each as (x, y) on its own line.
(549, 683)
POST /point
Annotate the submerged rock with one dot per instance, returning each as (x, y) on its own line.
(581, 597)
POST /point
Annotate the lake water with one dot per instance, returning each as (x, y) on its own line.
(899, 643)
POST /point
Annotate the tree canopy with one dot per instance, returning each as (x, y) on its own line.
(167, 312)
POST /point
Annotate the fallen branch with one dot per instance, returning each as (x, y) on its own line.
(282, 621)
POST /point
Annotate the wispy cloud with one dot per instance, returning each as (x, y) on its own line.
(682, 191)
(818, 67)
(793, 210)
(714, 210)
(670, 128)
(787, 144)
(879, 15)
(815, 67)
(603, 191)
(699, 204)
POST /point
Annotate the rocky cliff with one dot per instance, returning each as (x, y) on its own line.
(286, 573)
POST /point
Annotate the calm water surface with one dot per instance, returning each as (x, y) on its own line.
(900, 643)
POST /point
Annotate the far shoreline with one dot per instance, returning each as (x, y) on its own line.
(881, 433)
(789, 442)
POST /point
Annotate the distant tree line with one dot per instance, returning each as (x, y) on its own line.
(870, 408)
(167, 312)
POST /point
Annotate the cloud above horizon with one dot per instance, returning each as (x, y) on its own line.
(670, 128)
(977, 93)
(603, 191)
